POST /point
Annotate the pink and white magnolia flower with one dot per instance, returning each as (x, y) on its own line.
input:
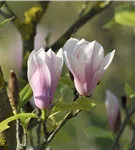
(113, 111)
(87, 63)
(44, 70)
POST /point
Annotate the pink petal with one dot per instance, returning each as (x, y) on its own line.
(75, 66)
(112, 103)
(70, 45)
(40, 80)
(81, 87)
(55, 64)
(96, 78)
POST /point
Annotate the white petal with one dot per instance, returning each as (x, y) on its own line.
(60, 60)
(70, 45)
(97, 56)
(31, 65)
(41, 53)
(107, 60)
(80, 47)
(50, 60)
(75, 66)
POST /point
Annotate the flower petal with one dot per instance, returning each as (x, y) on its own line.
(70, 45)
(113, 111)
(40, 81)
(111, 102)
(97, 56)
(60, 60)
(107, 60)
(80, 47)
(75, 66)
(31, 65)
(55, 64)
(96, 78)
(86, 53)
(41, 53)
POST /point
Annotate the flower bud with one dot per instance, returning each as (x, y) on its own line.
(44, 70)
(87, 63)
(113, 111)
(13, 91)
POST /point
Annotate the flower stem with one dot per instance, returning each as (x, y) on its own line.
(43, 114)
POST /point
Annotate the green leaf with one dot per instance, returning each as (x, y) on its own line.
(25, 95)
(4, 124)
(96, 132)
(25, 122)
(125, 15)
(129, 91)
(66, 81)
(82, 103)
(5, 21)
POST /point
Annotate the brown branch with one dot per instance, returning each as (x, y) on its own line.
(123, 125)
(98, 8)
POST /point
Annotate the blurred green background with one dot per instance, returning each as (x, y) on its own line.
(58, 18)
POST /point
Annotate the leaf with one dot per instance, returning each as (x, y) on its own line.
(5, 21)
(129, 91)
(66, 81)
(4, 124)
(25, 122)
(125, 15)
(82, 103)
(25, 95)
(96, 132)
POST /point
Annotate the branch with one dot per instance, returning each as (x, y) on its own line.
(83, 9)
(2, 3)
(123, 125)
(61, 124)
(98, 8)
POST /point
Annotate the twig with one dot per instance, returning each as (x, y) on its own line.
(18, 134)
(132, 127)
(79, 23)
(83, 9)
(38, 134)
(46, 134)
(123, 125)
(132, 140)
(2, 3)
(12, 14)
(24, 146)
(61, 124)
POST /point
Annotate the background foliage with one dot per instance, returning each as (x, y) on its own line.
(114, 29)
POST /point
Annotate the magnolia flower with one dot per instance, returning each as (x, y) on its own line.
(113, 111)
(44, 70)
(87, 63)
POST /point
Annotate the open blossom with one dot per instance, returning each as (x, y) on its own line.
(113, 111)
(44, 70)
(87, 63)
